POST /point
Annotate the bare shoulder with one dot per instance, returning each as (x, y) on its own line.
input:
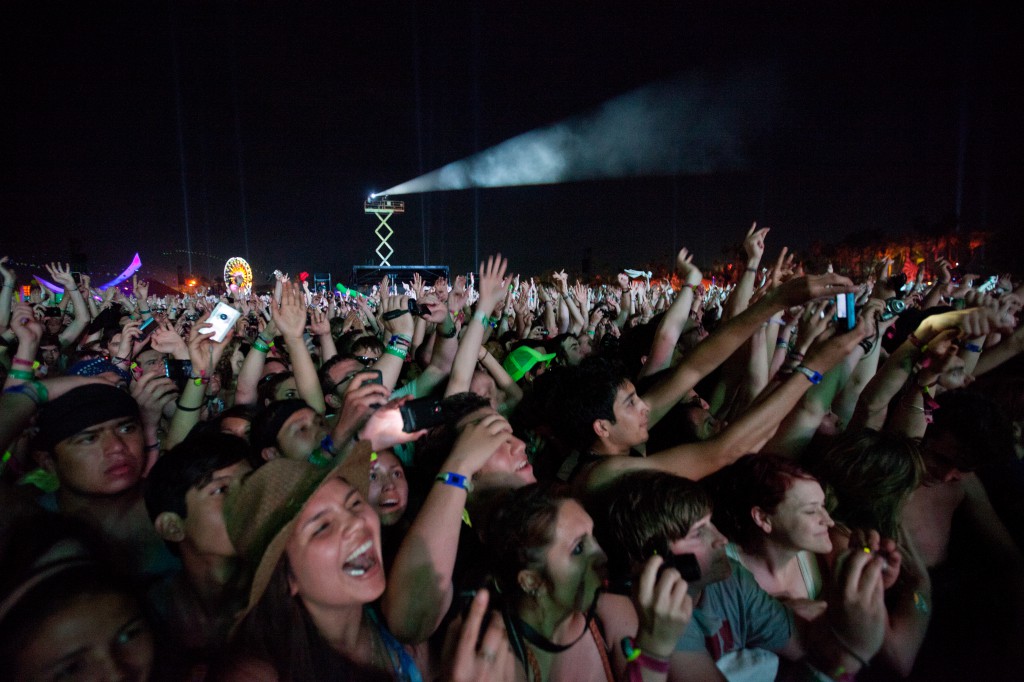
(618, 617)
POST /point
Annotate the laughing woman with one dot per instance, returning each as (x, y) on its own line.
(312, 544)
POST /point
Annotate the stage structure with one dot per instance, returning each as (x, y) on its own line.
(383, 208)
(365, 276)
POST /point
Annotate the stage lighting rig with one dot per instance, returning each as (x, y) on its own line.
(383, 208)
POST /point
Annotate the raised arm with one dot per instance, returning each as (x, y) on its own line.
(6, 294)
(753, 246)
(290, 317)
(420, 583)
(715, 349)
(252, 365)
(492, 287)
(61, 274)
(673, 322)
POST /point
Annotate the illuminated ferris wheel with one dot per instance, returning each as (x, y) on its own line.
(238, 274)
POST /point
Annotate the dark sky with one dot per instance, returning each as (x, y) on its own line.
(278, 118)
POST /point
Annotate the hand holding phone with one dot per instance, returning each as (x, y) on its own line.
(220, 322)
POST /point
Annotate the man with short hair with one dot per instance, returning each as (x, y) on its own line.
(184, 495)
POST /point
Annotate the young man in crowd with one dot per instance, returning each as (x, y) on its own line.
(91, 440)
(184, 495)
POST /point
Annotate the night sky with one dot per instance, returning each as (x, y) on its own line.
(277, 119)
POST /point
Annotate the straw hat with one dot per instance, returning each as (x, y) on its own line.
(261, 509)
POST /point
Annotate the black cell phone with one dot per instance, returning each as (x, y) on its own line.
(417, 309)
(375, 379)
(178, 371)
(146, 328)
(846, 313)
(77, 276)
(423, 413)
(686, 564)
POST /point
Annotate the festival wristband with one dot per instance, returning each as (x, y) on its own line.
(812, 376)
(454, 480)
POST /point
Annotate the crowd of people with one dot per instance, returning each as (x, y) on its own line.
(794, 475)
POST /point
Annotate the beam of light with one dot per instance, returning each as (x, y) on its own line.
(128, 272)
(684, 126)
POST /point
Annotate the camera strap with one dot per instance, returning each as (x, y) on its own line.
(545, 644)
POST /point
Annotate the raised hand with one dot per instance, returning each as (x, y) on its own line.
(493, 283)
(61, 274)
(25, 326)
(153, 392)
(290, 315)
(166, 340)
(753, 244)
(7, 273)
(319, 325)
(663, 606)
(492, 661)
(141, 288)
(203, 351)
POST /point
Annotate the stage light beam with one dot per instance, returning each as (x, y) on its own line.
(684, 126)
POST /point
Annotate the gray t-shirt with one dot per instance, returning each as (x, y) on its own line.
(737, 614)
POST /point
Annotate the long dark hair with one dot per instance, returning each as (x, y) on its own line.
(280, 631)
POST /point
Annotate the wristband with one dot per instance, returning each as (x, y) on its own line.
(397, 352)
(188, 409)
(22, 374)
(23, 362)
(399, 338)
(782, 344)
(34, 391)
(449, 335)
(455, 480)
(144, 312)
(591, 332)
(634, 654)
(972, 348)
(916, 342)
(812, 376)
(754, 270)
(260, 347)
(199, 381)
(327, 445)
(868, 345)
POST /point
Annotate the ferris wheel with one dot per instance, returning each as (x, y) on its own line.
(238, 274)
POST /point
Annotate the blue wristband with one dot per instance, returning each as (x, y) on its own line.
(972, 347)
(812, 376)
(455, 480)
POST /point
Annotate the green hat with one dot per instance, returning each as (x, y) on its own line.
(522, 359)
